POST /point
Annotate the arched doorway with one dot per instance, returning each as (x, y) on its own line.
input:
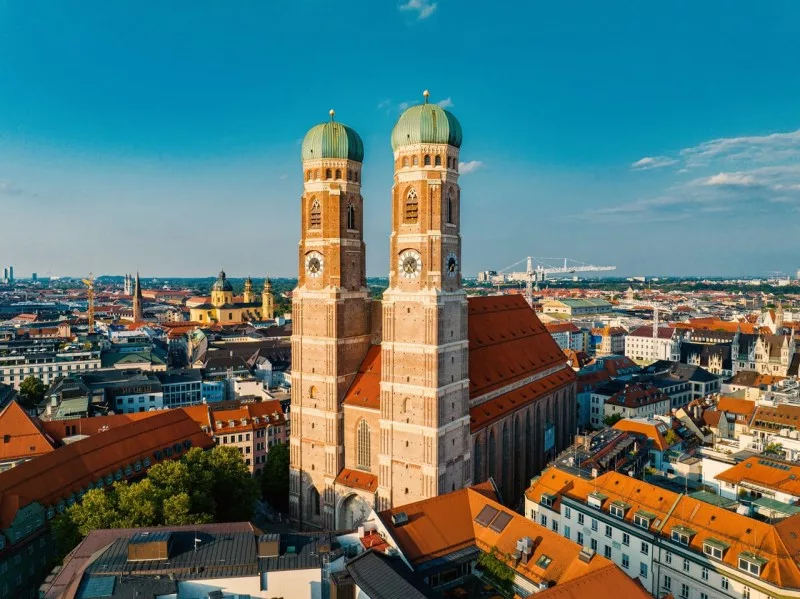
(353, 511)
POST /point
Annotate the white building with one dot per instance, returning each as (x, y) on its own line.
(648, 344)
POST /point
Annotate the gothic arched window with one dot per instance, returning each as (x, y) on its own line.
(308, 175)
(316, 215)
(415, 161)
(327, 173)
(338, 174)
(405, 160)
(438, 160)
(313, 502)
(412, 206)
(351, 217)
(427, 160)
(362, 450)
(449, 207)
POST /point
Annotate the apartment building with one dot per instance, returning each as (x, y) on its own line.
(674, 544)
(44, 361)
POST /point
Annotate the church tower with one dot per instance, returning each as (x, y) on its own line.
(138, 313)
(424, 391)
(330, 316)
(221, 291)
(267, 301)
(248, 295)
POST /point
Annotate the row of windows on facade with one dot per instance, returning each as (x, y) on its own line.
(49, 369)
(680, 535)
(426, 161)
(745, 565)
(330, 174)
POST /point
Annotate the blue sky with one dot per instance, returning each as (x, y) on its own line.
(164, 137)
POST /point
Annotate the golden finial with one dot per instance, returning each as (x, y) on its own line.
(332, 112)
(426, 93)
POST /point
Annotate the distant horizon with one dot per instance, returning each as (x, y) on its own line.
(161, 139)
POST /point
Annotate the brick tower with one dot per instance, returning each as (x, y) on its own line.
(424, 391)
(330, 316)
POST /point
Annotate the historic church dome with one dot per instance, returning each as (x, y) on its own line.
(222, 283)
(426, 124)
(333, 140)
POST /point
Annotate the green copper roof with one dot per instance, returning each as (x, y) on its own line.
(426, 123)
(333, 140)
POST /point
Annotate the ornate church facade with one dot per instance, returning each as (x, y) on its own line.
(427, 390)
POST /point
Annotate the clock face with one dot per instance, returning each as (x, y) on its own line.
(451, 265)
(410, 264)
(314, 263)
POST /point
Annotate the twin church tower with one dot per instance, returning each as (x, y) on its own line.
(405, 434)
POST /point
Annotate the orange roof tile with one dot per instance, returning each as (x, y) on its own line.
(765, 472)
(654, 431)
(607, 583)
(424, 537)
(736, 406)
(484, 414)
(23, 437)
(507, 342)
(777, 543)
(56, 475)
(357, 479)
(365, 392)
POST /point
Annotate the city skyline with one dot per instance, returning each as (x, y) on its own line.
(168, 142)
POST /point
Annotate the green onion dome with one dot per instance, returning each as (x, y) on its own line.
(426, 123)
(333, 140)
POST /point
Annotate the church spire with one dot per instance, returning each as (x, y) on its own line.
(138, 315)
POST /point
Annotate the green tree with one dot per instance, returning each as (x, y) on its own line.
(671, 437)
(139, 504)
(275, 477)
(612, 419)
(65, 533)
(233, 490)
(31, 391)
(98, 509)
(774, 449)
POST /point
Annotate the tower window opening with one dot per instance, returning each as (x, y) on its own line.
(316, 215)
(427, 160)
(349, 175)
(316, 173)
(308, 175)
(449, 207)
(327, 173)
(363, 451)
(438, 160)
(405, 160)
(448, 162)
(351, 217)
(412, 207)
(415, 161)
(338, 174)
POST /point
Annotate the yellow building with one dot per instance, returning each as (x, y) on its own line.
(224, 309)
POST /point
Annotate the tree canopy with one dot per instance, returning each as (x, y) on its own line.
(612, 419)
(201, 487)
(275, 477)
(31, 391)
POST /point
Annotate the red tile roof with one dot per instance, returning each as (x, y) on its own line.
(507, 342)
(561, 327)
(647, 331)
(445, 524)
(365, 392)
(652, 430)
(358, 479)
(607, 583)
(23, 437)
(56, 475)
(765, 472)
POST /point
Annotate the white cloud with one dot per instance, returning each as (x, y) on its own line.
(446, 103)
(403, 105)
(649, 162)
(754, 148)
(732, 179)
(469, 167)
(384, 103)
(7, 188)
(423, 8)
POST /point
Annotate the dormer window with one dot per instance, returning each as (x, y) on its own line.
(596, 499)
(751, 563)
(618, 509)
(682, 535)
(643, 519)
(714, 548)
(548, 500)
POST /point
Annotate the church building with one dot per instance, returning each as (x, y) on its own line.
(223, 308)
(427, 390)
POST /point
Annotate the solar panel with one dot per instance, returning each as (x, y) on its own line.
(486, 515)
(99, 586)
(500, 522)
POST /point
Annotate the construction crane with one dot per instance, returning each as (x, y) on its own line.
(538, 269)
(90, 284)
